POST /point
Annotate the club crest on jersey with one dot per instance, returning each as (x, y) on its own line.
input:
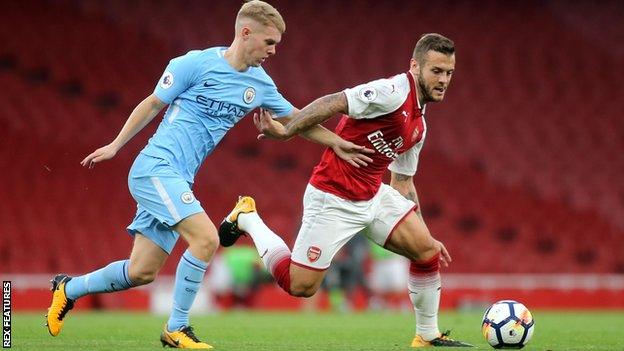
(167, 80)
(187, 197)
(249, 95)
(368, 93)
(313, 253)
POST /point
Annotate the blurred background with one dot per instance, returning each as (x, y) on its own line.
(520, 176)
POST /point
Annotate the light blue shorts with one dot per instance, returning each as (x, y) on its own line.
(163, 198)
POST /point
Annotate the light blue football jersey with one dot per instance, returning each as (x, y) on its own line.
(206, 98)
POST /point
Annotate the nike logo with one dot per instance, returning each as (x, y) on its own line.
(112, 285)
(207, 85)
(265, 252)
(192, 281)
(165, 337)
(412, 292)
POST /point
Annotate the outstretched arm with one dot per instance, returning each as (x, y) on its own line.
(306, 123)
(314, 114)
(317, 112)
(145, 111)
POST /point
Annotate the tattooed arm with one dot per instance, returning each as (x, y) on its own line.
(317, 112)
(307, 124)
(404, 184)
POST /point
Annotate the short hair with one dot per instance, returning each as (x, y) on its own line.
(262, 12)
(435, 42)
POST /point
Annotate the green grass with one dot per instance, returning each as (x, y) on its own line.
(308, 331)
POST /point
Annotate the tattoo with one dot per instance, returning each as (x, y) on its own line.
(402, 177)
(411, 196)
(318, 112)
(419, 214)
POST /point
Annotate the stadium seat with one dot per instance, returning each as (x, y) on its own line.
(520, 156)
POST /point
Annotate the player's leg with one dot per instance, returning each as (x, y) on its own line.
(275, 254)
(273, 251)
(145, 261)
(201, 235)
(399, 229)
(304, 281)
(411, 239)
(173, 210)
(325, 229)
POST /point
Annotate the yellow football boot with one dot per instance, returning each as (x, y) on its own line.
(228, 230)
(60, 305)
(441, 341)
(182, 339)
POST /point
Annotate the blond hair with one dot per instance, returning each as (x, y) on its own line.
(262, 12)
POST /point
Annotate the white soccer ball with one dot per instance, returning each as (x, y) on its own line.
(507, 324)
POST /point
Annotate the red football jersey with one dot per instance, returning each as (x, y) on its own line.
(384, 115)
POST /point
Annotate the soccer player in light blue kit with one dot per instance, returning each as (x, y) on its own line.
(208, 92)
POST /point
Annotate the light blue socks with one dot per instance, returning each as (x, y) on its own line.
(113, 277)
(188, 279)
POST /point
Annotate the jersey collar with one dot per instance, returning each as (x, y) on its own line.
(414, 88)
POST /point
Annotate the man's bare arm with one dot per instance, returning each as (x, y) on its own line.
(307, 124)
(317, 133)
(312, 115)
(318, 112)
(404, 184)
(142, 114)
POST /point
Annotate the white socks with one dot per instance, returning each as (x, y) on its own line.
(424, 292)
(270, 246)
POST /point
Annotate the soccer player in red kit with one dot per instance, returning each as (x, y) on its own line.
(386, 115)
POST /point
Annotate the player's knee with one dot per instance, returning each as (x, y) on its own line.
(302, 292)
(142, 275)
(424, 250)
(303, 289)
(207, 244)
(211, 242)
(429, 248)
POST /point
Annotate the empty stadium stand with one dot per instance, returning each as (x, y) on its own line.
(521, 172)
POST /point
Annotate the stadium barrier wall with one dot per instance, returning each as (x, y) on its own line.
(460, 291)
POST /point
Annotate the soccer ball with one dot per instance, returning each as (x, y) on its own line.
(507, 324)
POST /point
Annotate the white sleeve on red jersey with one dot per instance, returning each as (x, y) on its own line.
(407, 162)
(377, 98)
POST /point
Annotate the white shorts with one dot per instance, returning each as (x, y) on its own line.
(329, 222)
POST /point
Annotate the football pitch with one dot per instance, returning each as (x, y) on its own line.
(258, 331)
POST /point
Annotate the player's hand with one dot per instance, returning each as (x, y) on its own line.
(268, 127)
(354, 154)
(104, 153)
(445, 258)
